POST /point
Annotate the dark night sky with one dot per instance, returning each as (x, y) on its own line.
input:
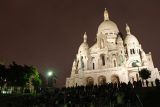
(47, 33)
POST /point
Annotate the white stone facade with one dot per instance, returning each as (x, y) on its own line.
(112, 58)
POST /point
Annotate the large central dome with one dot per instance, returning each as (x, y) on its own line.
(107, 26)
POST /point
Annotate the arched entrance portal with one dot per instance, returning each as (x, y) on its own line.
(90, 81)
(101, 80)
(114, 79)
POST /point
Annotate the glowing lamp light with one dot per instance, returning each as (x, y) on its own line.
(50, 73)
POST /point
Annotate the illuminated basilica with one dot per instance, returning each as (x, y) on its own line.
(111, 59)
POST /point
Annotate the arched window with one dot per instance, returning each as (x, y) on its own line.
(101, 80)
(133, 51)
(115, 79)
(82, 62)
(93, 66)
(89, 81)
(93, 63)
(102, 43)
(126, 52)
(103, 59)
(114, 61)
(81, 57)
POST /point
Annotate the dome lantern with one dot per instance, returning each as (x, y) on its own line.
(85, 37)
(128, 29)
(106, 16)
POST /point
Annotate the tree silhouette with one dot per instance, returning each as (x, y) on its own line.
(2, 74)
(145, 74)
(19, 75)
(36, 81)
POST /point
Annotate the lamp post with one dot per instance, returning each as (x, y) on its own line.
(49, 77)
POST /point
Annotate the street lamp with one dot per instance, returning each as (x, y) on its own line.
(49, 76)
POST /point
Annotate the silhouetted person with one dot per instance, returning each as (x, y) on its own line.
(140, 83)
(152, 84)
(134, 84)
(147, 83)
(130, 84)
(157, 82)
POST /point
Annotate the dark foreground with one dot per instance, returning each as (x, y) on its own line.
(150, 96)
(108, 95)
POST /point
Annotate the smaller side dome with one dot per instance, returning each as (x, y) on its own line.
(130, 39)
(84, 46)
